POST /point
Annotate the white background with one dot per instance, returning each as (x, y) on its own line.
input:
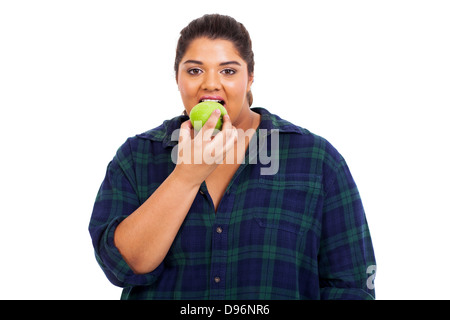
(79, 77)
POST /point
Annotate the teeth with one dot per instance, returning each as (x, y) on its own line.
(211, 100)
(218, 101)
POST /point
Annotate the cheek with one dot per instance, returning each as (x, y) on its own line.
(188, 91)
(237, 90)
(183, 86)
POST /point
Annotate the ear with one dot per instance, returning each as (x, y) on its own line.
(250, 81)
(176, 80)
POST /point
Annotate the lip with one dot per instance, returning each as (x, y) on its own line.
(208, 97)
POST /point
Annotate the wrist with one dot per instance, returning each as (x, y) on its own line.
(185, 178)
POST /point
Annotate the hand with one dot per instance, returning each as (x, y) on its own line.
(199, 154)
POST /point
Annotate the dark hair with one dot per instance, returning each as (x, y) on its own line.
(216, 26)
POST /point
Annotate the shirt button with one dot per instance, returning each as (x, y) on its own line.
(219, 230)
(217, 279)
(202, 193)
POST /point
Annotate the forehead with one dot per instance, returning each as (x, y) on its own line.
(212, 51)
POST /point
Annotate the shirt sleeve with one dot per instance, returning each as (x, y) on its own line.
(116, 199)
(346, 256)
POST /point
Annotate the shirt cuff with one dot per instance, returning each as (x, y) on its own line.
(333, 293)
(115, 267)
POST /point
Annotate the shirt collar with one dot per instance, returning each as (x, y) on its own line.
(269, 121)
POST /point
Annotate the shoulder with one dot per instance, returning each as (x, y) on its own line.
(161, 135)
(299, 140)
(304, 152)
(153, 142)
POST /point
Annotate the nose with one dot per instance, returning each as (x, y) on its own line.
(211, 82)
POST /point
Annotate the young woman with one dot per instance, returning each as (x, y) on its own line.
(184, 229)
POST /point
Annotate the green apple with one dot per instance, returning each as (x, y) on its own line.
(202, 111)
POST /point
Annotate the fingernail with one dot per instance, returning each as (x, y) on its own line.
(217, 111)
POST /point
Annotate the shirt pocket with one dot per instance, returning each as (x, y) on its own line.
(288, 202)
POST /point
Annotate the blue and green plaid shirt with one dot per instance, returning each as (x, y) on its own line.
(298, 234)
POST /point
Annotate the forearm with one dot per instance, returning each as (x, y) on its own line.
(144, 237)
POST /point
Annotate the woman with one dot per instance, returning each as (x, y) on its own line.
(223, 230)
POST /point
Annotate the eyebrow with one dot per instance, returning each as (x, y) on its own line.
(229, 62)
(221, 64)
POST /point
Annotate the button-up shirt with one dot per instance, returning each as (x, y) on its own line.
(297, 231)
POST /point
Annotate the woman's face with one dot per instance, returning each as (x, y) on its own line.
(214, 70)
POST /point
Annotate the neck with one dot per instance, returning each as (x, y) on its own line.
(248, 119)
(246, 129)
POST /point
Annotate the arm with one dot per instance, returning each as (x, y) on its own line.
(145, 236)
(346, 257)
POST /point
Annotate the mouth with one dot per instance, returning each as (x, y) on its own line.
(214, 99)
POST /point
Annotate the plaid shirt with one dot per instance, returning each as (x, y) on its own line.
(298, 234)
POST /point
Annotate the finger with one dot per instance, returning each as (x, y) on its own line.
(213, 118)
(231, 138)
(227, 128)
(226, 122)
(185, 131)
(223, 143)
(187, 124)
(208, 129)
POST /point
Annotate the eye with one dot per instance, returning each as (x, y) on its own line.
(228, 71)
(194, 71)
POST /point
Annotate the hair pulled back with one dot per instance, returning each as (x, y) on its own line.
(217, 26)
